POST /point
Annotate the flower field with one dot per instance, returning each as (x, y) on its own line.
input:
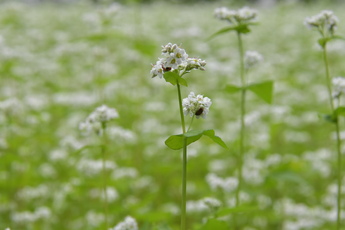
(71, 69)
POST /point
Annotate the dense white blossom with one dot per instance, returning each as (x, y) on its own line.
(175, 58)
(243, 15)
(96, 120)
(324, 22)
(196, 105)
(251, 58)
(128, 224)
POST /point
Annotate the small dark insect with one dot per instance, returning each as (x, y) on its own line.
(199, 111)
(166, 69)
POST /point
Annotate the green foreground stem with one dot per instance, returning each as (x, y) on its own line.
(105, 181)
(338, 145)
(242, 132)
(184, 165)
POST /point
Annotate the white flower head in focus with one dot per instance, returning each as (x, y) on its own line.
(196, 105)
(174, 58)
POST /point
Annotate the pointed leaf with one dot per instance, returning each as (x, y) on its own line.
(182, 81)
(232, 88)
(211, 134)
(264, 90)
(214, 224)
(222, 31)
(340, 111)
(176, 142)
(171, 77)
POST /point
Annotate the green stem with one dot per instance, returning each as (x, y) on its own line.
(103, 149)
(338, 145)
(242, 132)
(184, 164)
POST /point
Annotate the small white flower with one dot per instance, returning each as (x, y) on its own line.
(243, 15)
(195, 63)
(339, 86)
(212, 203)
(196, 105)
(325, 20)
(251, 58)
(95, 121)
(157, 69)
(128, 224)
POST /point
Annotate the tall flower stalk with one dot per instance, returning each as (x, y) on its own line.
(96, 123)
(326, 24)
(240, 20)
(173, 65)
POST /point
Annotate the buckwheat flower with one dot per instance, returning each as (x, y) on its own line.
(95, 121)
(195, 63)
(245, 14)
(128, 224)
(196, 105)
(338, 86)
(251, 58)
(212, 203)
(175, 57)
(326, 20)
(157, 69)
(224, 13)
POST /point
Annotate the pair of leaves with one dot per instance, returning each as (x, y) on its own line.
(333, 118)
(264, 90)
(241, 28)
(177, 142)
(173, 78)
(323, 41)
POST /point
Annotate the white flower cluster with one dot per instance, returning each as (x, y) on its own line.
(196, 105)
(96, 120)
(128, 224)
(212, 203)
(338, 86)
(227, 184)
(326, 20)
(241, 16)
(175, 58)
(251, 58)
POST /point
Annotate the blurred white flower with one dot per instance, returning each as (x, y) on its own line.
(212, 203)
(251, 58)
(227, 184)
(338, 86)
(324, 22)
(128, 224)
(241, 16)
(96, 120)
(196, 105)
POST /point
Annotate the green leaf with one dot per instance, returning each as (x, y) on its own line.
(182, 81)
(213, 224)
(264, 90)
(340, 111)
(171, 77)
(232, 88)
(211, 134)
(177, 142)
(239, 209)
(222, 31)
